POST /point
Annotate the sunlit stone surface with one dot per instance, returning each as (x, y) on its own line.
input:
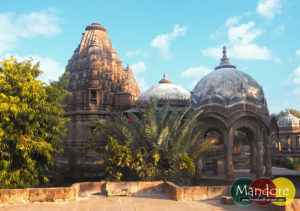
(99, 84)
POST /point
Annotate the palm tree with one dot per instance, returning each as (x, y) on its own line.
(163, 144)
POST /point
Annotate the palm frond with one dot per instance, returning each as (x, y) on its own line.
(207, 144)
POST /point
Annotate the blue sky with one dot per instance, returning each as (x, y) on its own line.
(182, 38)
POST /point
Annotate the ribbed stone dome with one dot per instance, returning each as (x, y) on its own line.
(227, 86)
(165, 90)
(288, 120)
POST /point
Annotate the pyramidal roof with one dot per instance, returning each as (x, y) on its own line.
(132, 85)
(96, 55)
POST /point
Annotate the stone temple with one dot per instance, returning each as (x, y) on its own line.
(99, 84)
(233, 103)
(288, 143)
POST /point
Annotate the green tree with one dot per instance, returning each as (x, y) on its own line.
(31, 124)
(161, 145)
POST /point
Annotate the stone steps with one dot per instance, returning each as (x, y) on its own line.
(241, 161)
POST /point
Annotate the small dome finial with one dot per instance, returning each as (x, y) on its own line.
(224, 52)
(165, 80)
(225, 63)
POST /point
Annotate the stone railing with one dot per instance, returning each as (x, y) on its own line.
(175, 192)
(28, 195)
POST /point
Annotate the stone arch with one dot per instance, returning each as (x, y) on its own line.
(210, 124)
(250, 117)
(258, 131)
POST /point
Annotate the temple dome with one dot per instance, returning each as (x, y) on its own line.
(227, 86)
(288, 120)
(165, 91)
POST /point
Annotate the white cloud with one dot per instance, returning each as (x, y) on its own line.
(162, 42)
(243, 52)
(51, 68)
(298, 52)
(250, 52)
(293, 82)
(243, 34)
(215, 52)
(241, 44)
(13, 27)
(195, 72)
(269, 8)
(142, 83)
(294, 77)
(135, 53)
(232, 20)
(192, 85)
(139, 67)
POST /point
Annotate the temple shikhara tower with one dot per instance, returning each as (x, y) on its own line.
(99, 84)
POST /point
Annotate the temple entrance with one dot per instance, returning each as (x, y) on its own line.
(245, 150)
(243, 153)
(212, 162)
(242, 149)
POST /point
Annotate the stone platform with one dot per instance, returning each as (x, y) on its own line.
(148, 202)
(155, 195)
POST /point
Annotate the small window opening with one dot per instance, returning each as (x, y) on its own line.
(93, 94)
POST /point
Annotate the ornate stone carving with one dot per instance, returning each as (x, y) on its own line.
(96, 70)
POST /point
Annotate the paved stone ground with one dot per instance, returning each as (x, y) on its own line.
(144, 202)
(138, 203)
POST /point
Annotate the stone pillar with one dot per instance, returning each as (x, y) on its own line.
(228, 143)
(253, 156)
(199, 166)
(268, 162)
(259, 158)
(293, 143)
(289, 144)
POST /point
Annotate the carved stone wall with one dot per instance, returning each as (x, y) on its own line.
(99, 84)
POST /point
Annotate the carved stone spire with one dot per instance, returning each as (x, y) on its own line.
(165, 80)
(225, 63)
(98, 82)
(128, 68)
(132, 84)
(95, 41)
